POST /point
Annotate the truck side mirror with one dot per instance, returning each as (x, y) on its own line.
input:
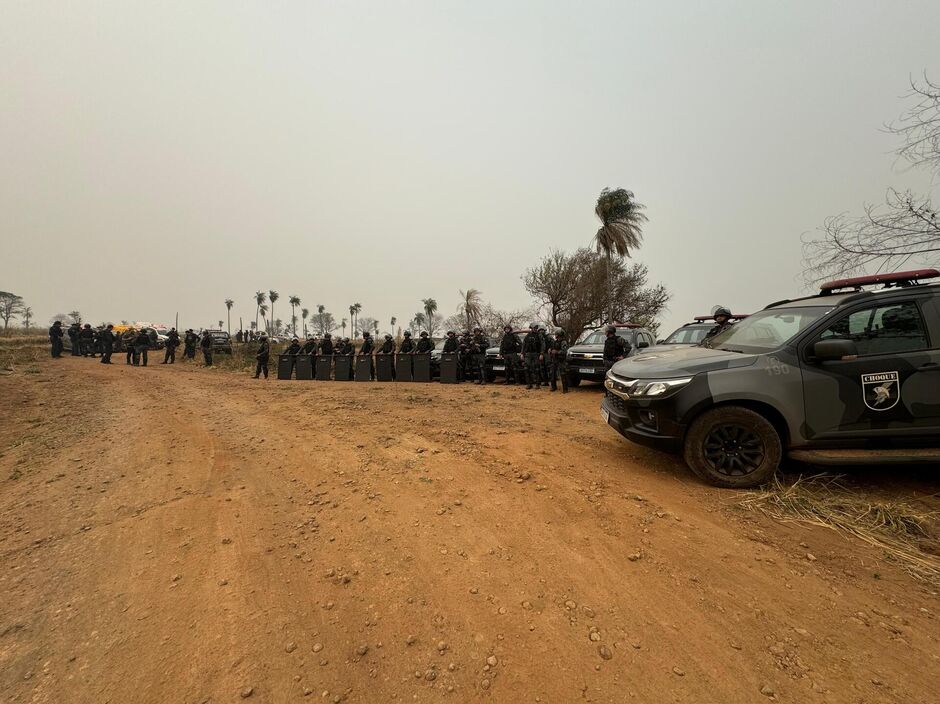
(835, 350)
(642, 344)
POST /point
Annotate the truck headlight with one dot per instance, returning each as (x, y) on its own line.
(658, 387)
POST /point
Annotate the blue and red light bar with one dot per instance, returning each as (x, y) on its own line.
(899, 278)
(733, 316)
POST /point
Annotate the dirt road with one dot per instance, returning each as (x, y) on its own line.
(172, 534)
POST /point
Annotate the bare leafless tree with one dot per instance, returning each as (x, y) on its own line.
(904, 230)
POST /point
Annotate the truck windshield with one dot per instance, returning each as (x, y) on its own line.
(767, 330)
(688, 335)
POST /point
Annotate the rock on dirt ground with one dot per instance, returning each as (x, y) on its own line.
(174, 534)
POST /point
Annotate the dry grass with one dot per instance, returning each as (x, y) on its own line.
(22, 354)
(905, 534)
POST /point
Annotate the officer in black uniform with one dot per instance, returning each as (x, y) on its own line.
(407, 345)
(107, 344)
(293, 349)
(172, 342)
(532, 352)
(326, 345)
(141, 346)
(73, 331)
(310, 346)
(347, 347)
(388, 347)
(206, 345)
(546, 346)
(86, 338)
(509, 349)
(615, 347)
(558, 361)
(722, 322)
(451, 344)
(128, 340)
(367, 347)
(55, 339)
(189, 342)
(478, 346)
(425, 345)
(264, 353)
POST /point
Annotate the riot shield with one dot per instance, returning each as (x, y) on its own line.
(304, 367)
(383, 367)
(422, 367)
(364, 367)
(285, 365)
(403, 367)
(449, 368)
(324, 367)
(342, 370)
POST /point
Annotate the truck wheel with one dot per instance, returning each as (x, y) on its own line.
(574, 380)
(733, 447)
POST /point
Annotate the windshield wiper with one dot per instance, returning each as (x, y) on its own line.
(728, 349)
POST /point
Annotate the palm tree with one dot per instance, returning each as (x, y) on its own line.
(430, 307)
(419, 320)
(228, 306)
(621, 230)
(273, 296)
(376, 327)
(320, 310)
(294, 302)
(263, 309)
(303, 314)
(352, 320)
(471, 306)
(260, 298)
(393, 321)
(343, 326)
(357, 308)
(27, 314)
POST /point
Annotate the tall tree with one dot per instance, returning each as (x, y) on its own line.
(392, 323)
(228, 313)
(320, 310)
(357, 309)
(27, 316)
(294, 302)
(905, 229)
(75, 316)
(260, 298)
(621, 230)
(11, 306)
(343, 325)
(273, 296)
(470, 308)
(303, 314)
(263, 309)
(430, 308)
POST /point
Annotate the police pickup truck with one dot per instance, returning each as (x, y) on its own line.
(849, 376)
(586, 358)
(691, 333)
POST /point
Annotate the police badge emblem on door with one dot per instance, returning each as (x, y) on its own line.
(881, 391)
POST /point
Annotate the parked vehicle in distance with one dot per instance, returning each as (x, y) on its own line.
(691, 333)
(848, 376)
(586, 358)
(221, 341)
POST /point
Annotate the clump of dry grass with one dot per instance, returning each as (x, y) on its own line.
(904, 533)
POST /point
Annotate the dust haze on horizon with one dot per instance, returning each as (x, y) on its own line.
(162, 157)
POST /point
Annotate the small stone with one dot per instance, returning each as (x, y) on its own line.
(502, 610)
(290, 647)
(679, 671)
(594, 636)
(362, 650)
(634, 557)
(492, 661)
(247, 692)
(811, 557)
(410, 640)
(570, 605)
(767, 691)
(604, 652)
(442, 646)
(177, 577)
(317, 647)
(430, 675)
(587, 611)
(485, 684)
(307, 691)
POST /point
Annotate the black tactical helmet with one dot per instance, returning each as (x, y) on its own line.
(450, 332)
(424, 333)
(477, 329)
(559, 332)
(611, 330)
(365, 334)
(407, 333)
(721, 310)
(327, 336)
(533, 326)
(507, 327)
(388, 337)
(295, 340)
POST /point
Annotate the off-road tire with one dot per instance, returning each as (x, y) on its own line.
(733, 447)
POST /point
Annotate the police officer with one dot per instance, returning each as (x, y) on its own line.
(172, 342)
(107, 344)
(55, 339)
(509, 349)
(451, 344)
(310, 346)
(558, 361)
(141, 346)
(478, 345)
(189, 344)
(425, 345)
(546, 346)
(532, 352)
(388, 347)
(73, 331)
(326, 345)
(366, 349)
(86, 337)
(722, 322)
(407, 345)
(206, 345)
(293, 349)
(264, 353)
(615, 348)
(347, 346)
(128, 338)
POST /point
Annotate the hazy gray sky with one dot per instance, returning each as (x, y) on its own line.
(163, 156)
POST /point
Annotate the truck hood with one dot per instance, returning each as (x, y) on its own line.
(685, 361)
(587, 349)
